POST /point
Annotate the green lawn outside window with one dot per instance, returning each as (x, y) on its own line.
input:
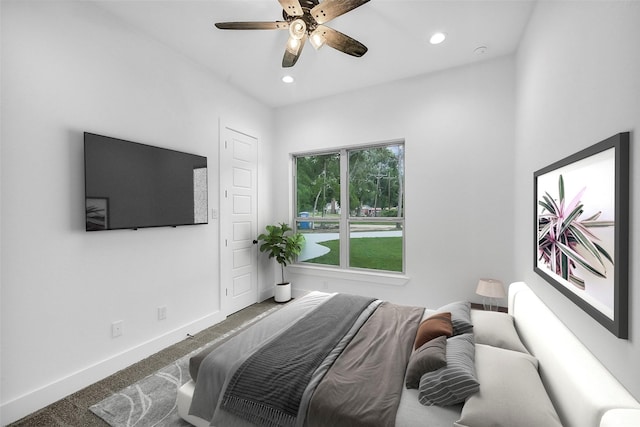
(377, 253)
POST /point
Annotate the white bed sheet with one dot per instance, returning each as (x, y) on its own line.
(411, 413)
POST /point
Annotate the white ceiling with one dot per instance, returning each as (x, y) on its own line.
(396, 33)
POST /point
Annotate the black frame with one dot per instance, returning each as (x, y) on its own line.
(107, 144)
(619, 324)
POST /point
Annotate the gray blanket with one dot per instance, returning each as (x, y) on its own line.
(267, 389)
(220, 364)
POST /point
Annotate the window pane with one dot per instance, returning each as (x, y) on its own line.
(376, 181)
(318, 186)
(376, 245)
(322, 242)
(373, 210)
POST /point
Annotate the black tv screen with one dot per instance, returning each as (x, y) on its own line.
(130, 185)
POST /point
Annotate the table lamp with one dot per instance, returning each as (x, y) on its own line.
(490, 289)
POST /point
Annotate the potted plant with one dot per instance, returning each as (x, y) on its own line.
(283, 245)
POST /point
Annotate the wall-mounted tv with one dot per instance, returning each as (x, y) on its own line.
(129, 185)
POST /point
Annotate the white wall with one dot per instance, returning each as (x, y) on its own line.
(69, 67)
(578, 82)
(459, 130)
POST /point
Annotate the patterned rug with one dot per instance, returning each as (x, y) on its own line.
(152, 401)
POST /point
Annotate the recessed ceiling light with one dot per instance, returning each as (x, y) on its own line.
(437, 38)
(288, 79)
(480, 50)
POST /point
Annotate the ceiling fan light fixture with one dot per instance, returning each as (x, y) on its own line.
(297, 29)
(437, 38)
(317, 39)
(305, 19)
(288, 79)
(293, 44)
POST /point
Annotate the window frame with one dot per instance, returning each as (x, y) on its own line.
(346, 219)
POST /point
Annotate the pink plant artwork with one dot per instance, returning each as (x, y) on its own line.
(566, 240)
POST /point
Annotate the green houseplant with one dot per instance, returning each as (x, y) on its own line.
(281, 243)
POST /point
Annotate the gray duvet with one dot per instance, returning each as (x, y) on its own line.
(358, 383)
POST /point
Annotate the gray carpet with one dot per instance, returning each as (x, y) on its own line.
(152, 400)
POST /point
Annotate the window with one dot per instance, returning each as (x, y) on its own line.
(350, 207)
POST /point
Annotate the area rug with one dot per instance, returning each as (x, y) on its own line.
(152, 401)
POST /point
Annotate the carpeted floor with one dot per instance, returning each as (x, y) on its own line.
(74, 410)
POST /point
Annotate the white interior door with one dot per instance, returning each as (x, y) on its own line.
(238, 220)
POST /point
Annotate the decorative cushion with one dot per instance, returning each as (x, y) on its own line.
(496, 329)
(460, 316)
(433, 327)
(430, 356)
(455, 382)
(511, 392)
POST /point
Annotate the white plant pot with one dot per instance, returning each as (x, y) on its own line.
(283, 292)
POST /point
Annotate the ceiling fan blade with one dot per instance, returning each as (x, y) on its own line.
(277, 25)
(292, 7)
(341, 42)
(293, 51)
(329, 9)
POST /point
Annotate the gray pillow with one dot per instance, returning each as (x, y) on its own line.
(455, 382)
(460, 316)
(496, 329)
(511, 393)
(430, 356)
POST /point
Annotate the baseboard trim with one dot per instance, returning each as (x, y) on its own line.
(39, 398)
(266, 294)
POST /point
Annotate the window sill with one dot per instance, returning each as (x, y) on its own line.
(381, 278)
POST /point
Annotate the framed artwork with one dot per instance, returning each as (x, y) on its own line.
(97, 213)
(581, 229)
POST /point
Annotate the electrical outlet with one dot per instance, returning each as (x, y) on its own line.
(162, 312)
(116, 328)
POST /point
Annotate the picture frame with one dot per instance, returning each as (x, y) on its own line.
(581, 230)
(97, 213)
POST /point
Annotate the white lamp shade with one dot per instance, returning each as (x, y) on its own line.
(491, 288)
(317, 39)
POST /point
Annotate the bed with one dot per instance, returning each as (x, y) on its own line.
(312, 364)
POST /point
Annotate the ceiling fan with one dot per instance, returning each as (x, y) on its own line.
(305, 19)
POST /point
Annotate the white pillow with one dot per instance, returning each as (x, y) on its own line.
(511, 392)
(496, 329)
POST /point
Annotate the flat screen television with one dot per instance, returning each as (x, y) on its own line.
(129, 185)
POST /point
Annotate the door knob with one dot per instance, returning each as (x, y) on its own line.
(255, 242)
